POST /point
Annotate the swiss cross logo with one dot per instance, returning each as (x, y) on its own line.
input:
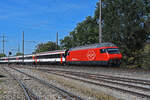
(91, 55)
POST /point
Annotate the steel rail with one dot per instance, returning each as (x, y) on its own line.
(24, 87)
(105, 79)
(101, 84)
(108, 81)
(133, 80)
(64, 93)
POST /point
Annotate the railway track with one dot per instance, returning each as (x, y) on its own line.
(64, 93)
(102, 80)
(27, 91)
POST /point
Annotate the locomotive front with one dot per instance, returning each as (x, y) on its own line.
(113, 55)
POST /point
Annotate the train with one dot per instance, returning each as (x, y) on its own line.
(94, 54)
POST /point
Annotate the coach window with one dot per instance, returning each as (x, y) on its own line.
(63, 55)
(102, 50)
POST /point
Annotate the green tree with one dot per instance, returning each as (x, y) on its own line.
(123, 23)
(49, 46)
(18, 53)
(66, 43)
(2, 55)
(147, 26)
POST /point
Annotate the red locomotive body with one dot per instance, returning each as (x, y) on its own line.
(96, 54)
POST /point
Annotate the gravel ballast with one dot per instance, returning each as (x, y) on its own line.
(82, 89)
(9, 88)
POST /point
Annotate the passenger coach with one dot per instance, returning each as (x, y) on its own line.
(50, 57)
(38, 58)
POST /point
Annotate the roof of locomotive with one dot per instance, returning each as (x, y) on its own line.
(98, 45)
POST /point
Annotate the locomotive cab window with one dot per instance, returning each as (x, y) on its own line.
(102, 50)
(113, 50)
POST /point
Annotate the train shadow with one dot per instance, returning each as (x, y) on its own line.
(1, 76)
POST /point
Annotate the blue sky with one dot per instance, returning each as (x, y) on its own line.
(40, 20)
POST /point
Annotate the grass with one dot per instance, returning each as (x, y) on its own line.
(144, 60)
(1, 81)
(1, 91)
(147, 48)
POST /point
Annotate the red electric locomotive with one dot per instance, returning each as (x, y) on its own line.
(95, 54)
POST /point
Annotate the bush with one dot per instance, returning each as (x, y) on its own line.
(146, 57)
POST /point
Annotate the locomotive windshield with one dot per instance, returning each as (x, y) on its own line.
(113, 50)
(110, 50)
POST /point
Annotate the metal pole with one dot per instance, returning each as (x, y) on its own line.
(57, 40)
(100, 27)
(3, 44)
(18, 47)
(8, 60)
(23, 47)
